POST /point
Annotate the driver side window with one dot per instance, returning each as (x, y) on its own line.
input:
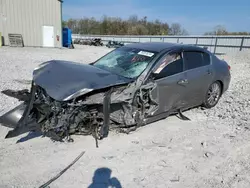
(171, 64)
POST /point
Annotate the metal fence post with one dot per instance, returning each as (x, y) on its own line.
(242, 42)
(215, 45)
(196, 41)
(178, 40)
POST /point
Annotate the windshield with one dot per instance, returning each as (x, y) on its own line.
(126, 62)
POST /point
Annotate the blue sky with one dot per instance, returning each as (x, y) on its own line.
(196, 16)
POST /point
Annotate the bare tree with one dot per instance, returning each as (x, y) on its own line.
(221, 30)
(218, 30)
(176, 29)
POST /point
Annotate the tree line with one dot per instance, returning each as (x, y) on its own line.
(134, 26)
(221, 30)
(117, 26)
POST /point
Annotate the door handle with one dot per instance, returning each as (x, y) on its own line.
(209, 72)
(183, 82)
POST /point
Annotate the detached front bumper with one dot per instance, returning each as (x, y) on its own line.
(18, 118)
(12, 117)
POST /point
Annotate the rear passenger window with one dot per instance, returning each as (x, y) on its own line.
(206, 59)
(193, 60)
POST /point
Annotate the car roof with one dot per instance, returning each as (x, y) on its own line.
(160, 46)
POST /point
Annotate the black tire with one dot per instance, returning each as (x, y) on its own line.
(213, 95)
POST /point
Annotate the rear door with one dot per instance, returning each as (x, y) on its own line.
(199, 75)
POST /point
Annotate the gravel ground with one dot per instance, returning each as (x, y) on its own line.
(212, 150)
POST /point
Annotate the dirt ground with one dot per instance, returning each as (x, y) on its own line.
(211, 150)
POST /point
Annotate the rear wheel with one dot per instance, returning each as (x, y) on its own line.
(213, 95)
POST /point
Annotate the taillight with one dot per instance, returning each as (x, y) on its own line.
(229, 68)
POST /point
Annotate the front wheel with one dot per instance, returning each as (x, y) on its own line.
(213, 95)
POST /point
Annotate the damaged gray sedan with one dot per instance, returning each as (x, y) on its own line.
(129, 87)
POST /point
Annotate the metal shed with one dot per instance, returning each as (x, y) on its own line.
(39, 22)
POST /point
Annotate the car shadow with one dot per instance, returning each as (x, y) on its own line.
(31, 135)
(102, 179)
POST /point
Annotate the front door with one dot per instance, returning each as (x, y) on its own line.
(48, 36)
(171, 82)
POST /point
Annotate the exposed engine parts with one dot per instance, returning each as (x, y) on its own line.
(95, 114)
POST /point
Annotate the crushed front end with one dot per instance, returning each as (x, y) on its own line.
(96, 113)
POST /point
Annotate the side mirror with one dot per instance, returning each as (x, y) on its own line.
(154, 75)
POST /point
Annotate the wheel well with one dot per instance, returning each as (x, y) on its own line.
(221, 84)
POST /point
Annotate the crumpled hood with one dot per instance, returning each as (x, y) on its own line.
(64, 80)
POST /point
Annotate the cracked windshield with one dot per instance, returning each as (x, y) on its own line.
(126, 62)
